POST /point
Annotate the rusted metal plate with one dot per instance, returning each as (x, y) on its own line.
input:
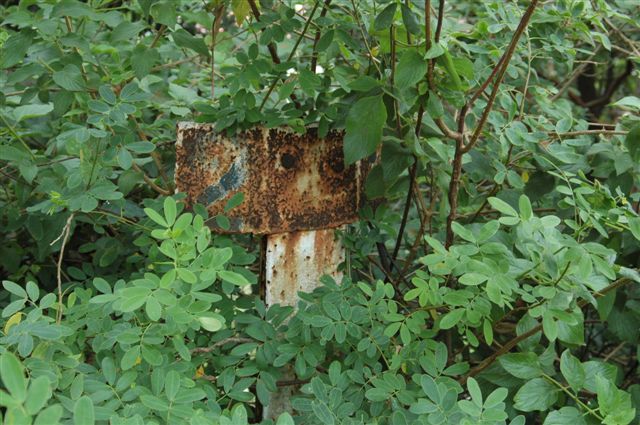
(290, 181)
(296, 261)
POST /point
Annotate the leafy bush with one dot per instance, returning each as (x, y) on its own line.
(491, 280)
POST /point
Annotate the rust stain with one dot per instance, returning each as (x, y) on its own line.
(290, 181)
(295, 262)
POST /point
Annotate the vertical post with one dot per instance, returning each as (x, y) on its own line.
(296, 190)
(295, 262)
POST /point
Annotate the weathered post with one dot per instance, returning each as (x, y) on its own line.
(296, 189)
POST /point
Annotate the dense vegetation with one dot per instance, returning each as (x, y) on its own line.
(493, 278)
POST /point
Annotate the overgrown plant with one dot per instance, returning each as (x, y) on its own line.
(494, 280)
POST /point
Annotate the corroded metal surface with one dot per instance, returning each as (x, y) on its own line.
(295, 262)
(290, 181)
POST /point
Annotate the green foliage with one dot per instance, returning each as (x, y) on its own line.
(507, 293)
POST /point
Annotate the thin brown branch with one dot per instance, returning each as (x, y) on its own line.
(159, 34)
(150, 181)
(215, 25)
(454, 187)
(440, 20)
(291, 54)
(407, 206)
(461, 147)
(524, 21)
(604, 132)
(316, 38)
(272, 47)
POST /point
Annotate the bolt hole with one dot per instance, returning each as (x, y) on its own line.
(337, 166)
(288, 161)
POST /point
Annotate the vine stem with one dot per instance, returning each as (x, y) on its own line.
(64, 235)
(572, 396)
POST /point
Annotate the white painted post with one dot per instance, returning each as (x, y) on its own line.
(295, 262)
(296, 189)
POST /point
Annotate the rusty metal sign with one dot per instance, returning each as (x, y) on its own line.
(290, 181)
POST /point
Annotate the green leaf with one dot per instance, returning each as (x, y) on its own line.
(549, 326)
(16, 47)
(629, 101)
(436, 50)
(565, 416)
(172, 384)
(143, 59)
(233, 277)
(50, 415)
(474, 391)
(285, 419)
(572, 370)
(632, 142)
(322, 412)
(364, 125)
(151, 355)
(133, 298)
(241, 10)
(377, 394)
(153, 309)
(154, 403)
(170, 210)
(189, 395)
(634, 226)
(234, 201)
(183, 39)
(153, 215)
(450, 319)
(13, 376)
(210, 323)
(525, 208)
(502, 207)
(130, 358)
(536, 394)
(472, 279)
(164, 12)
(31, 111)
(14, 288)
(83, 411)
(496, 397)
(69, 78)
(38, 395)
(410, 69)
(521, 365)
(385, 18)
(125, 160)
(410, 20)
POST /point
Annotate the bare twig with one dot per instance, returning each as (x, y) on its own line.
(150, 181)
(316, 39)
(64, 235)
(215, 25)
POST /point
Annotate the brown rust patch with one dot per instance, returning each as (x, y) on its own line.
(290, 181)
(296, 261)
